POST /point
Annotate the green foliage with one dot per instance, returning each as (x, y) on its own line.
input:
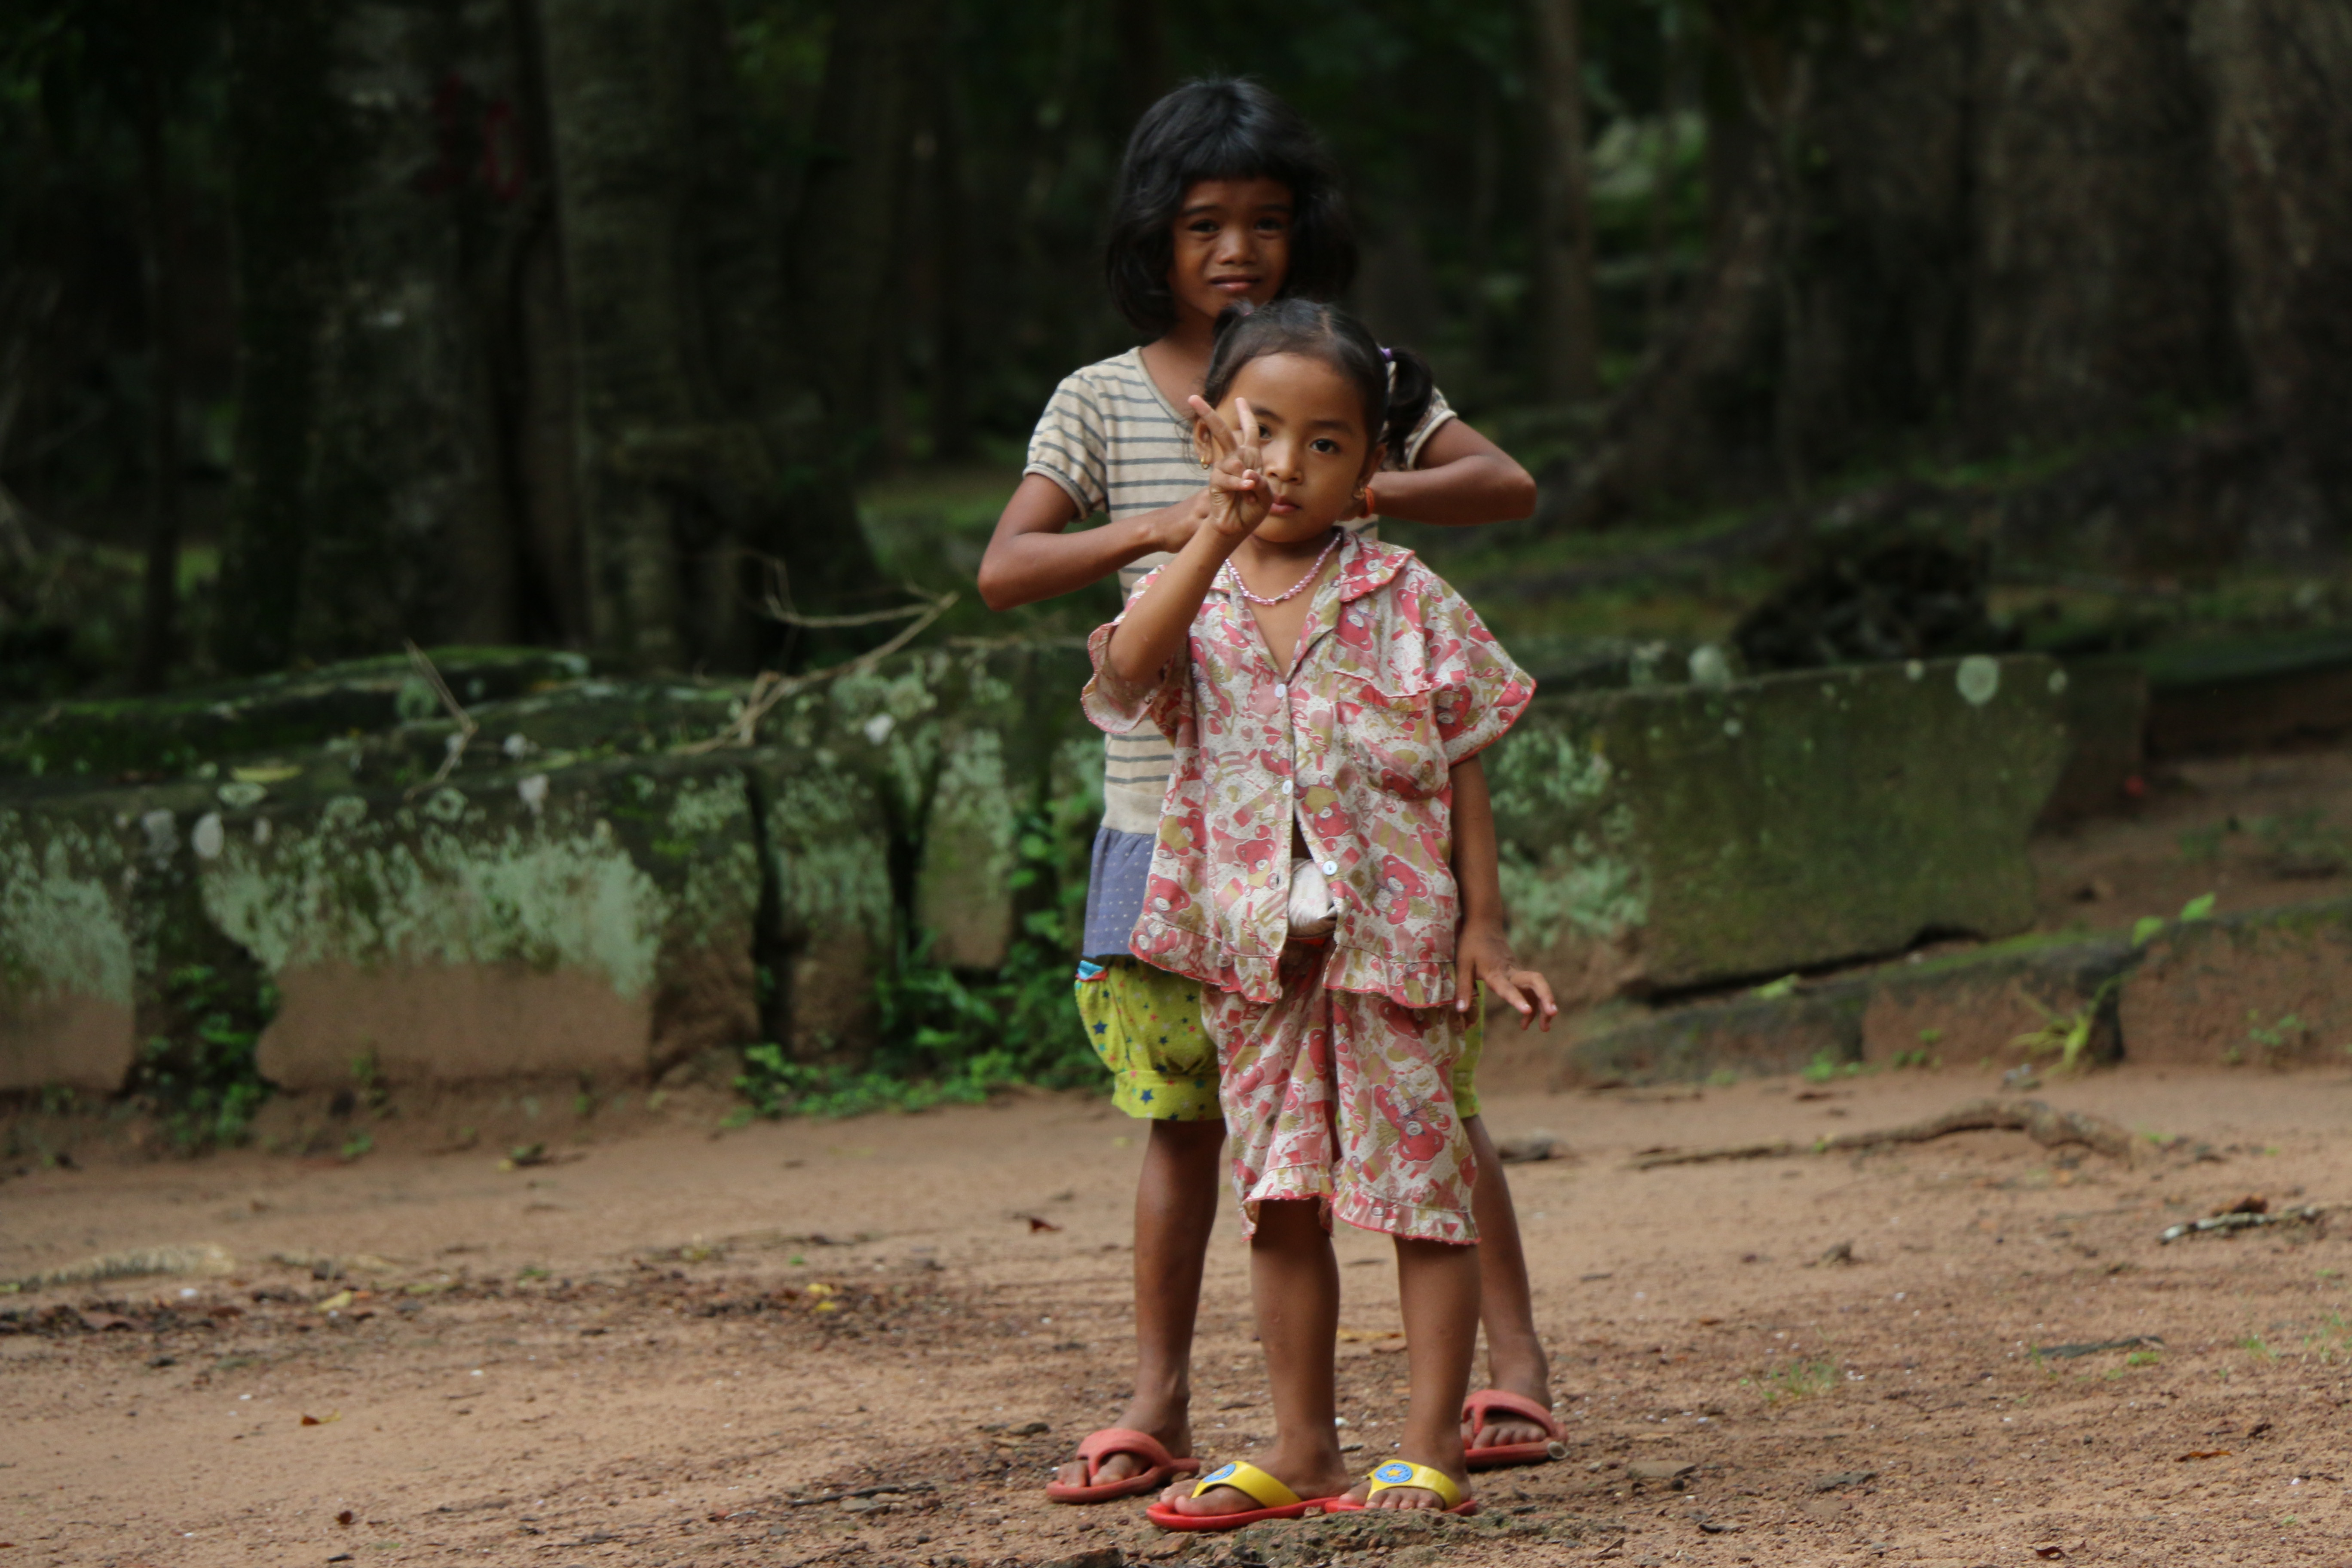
(2068, 1035)
(2146, 929)
(1826, 1065)
(949, 1035)
(198, 1076)
(1800, 1380)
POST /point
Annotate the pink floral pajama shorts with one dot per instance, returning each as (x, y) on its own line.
(1347, 1097)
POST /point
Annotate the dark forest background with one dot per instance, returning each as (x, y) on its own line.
(325, 324)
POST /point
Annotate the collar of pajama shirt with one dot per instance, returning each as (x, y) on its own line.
(1394, 680)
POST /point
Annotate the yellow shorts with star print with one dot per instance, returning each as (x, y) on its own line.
(1145, 1025)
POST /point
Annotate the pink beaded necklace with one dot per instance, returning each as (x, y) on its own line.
(1293, 591)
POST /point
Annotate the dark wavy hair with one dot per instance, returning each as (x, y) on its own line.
(1393, 403)
(1222, 129)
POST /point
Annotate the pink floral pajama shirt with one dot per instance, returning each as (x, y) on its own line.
(1335, 1059)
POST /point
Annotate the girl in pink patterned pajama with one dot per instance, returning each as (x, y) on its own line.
(1326, 867)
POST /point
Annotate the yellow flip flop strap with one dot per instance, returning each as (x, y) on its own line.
(1251, 1482)
(1404, 1473)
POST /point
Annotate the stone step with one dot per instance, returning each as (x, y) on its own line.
(2259, 988)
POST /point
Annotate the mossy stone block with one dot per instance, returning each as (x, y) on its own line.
(1671, 837)
(957, 743)
(596, 918)
(67, 741)
(68, 949)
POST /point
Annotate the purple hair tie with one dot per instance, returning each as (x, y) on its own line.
(1389, 355)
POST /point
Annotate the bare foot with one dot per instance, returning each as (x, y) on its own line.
(1171, 1424)
(1310, 1476)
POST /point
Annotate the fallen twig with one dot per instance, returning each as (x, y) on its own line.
(2034, 1118)
(2302, 1214)
(467, 728)
(769, 688)
(2075, 1353)
(204, 1258)
(861, 1491)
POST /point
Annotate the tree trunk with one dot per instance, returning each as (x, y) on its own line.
(1884, 275)
(700, 453)
(159, 607)
(411, 535)
(532, 360)
(2279, 74)
(951, 385)
(286, 141)
(617, 90)
(1567, 345)
(2097, 294)
(849, 203)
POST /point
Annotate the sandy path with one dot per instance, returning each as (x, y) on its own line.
(621, 1359)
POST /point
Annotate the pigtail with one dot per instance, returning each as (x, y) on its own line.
(1411, 387)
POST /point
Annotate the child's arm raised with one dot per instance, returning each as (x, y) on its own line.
(1460, 479)
(1030, 558)
(1153, 629)
(1482, 951)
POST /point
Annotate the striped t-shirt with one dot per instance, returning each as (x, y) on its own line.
(1111, 440)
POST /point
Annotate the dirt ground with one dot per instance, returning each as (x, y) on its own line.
(674, 1348)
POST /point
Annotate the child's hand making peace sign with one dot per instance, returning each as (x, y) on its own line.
(1241, 497)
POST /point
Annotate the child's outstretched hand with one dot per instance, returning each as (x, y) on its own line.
(1234, 473)
(1483, 954)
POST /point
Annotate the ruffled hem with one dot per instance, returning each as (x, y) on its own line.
(1258, 976)
(1413, 1222)
(1456, 1227)
(1289, 1184)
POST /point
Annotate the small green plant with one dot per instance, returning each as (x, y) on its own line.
(1776, 990)
(2199, 844)
(1723, 1078)
(1922, 1058)
(532, 1272)
(367, 1081)
(56, 1100)
(2276, 1037)
(949, 1034)
(2333, 1344)
(2066, 1036)
(357, 1144)
(1826, 1066)
(198, 1073)
(2149, 927)
(1931, 1037)
(1800, 1380)
(2253, 1345)
(584, 1104)
(2143, 1358)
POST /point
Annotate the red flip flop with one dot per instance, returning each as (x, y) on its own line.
(1474, 1411)
(1100, 1446)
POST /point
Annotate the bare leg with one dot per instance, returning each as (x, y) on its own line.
(1516, 1362)
(1176, 1199)
(1437, 1286)
(1295, 1282)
